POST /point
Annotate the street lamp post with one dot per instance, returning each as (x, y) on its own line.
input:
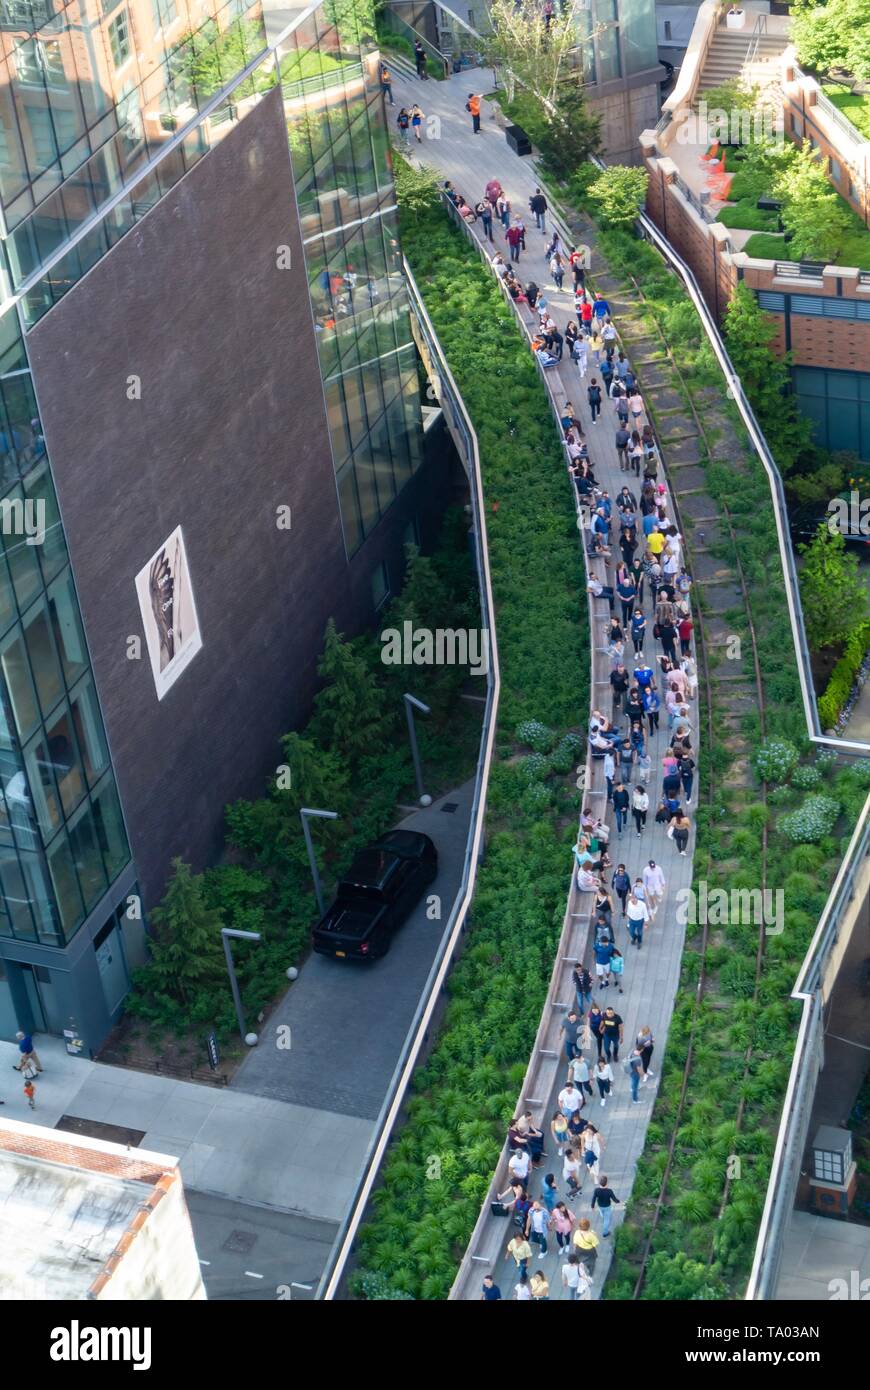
(226, 933)
(304, 814)
(411, 703)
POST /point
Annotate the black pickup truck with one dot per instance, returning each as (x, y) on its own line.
(384, 882)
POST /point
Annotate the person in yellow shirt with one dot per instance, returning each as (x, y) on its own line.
(540, 1288)
(586, 1244)
(656, 543)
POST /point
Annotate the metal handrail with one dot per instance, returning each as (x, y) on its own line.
(417, 1034)
(404, 30)
(759, 28)
(830, 109)
(798, 270)
(779, 1199)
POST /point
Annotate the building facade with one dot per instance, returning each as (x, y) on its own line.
(210, 397)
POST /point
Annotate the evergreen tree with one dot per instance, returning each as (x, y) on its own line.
(186, 949)
(833, 593)
(351, 712)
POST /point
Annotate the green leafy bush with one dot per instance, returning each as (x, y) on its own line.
(775, 759)
(810, 821)
(806, 777)
(536, 735)
(619, 194)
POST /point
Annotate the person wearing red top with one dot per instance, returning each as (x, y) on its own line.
(514, 240)
(586, 312)
(684, 628)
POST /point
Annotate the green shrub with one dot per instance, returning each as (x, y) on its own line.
(775, 759)
(534, 767)
(806, 777)
(536, 735)
(810, 821)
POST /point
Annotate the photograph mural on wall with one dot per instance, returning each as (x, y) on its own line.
(168, 612)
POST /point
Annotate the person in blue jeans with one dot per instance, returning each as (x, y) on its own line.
(583, 988)
(652, 704)
(634, 1063)
(621, 885)
(620, 805)
(604, 1197)
(549, 1192)
(603, 951)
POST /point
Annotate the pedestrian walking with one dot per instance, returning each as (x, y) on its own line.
(635, 405)
(687, 775)
(420, 59)
(620, 805)
(602, 951)
(582, 987)
(403, 121)
(639, 808)
(617, 968)
(581, 1075)
(570, 1099)
(591, 1147)
(28, 1057)
(538, 206)
(654, 884)
(626, 591)
(652, 706)
(550, 1192)
(559, 1131)
(604, 1198)
(30, 1092)
(584, 1243)
(571, 1174)
(638, 630)
(682, 825)
(514, 237)
(572, 1028)
(645, 1044)
(522, 1291)
(557, 270)
(611, 1029)
(621, 885)
(539, 1287)
(562, 1225)
(387, 83)
(637, 915)
(537, 1226)
(484, 212)
(520, 1251)
(571, 1277)
(417, 119)
(634, 1067)
(491, 1292)
(473, 106)
(596, 1020)
(593, 395)
(503, 211)
(603, 1080)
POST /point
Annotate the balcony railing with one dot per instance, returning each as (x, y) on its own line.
(832, 111)
(799, 270)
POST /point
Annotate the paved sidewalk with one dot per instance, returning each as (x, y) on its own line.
(651, 974)
(229, 1144)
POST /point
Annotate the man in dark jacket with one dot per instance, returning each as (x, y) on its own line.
(538, 205)
(620, 805)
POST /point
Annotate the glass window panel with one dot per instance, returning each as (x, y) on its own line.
(89, 728)
(350, 513)
(43, 658)
(66, 628)
(335, 410)
(8, 612)
(65, 882)
(109, 824)
(16, 672)
(62, 759)
(382, 459)
(366, 489)
(842, 386)
(43, 786)
(86, 856)
(39, 490)
(609, 66)
(16, 896)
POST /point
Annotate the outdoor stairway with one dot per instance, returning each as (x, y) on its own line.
(726, 58)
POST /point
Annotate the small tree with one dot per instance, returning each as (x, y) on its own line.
(833, 594)
(186, 950)
(811, 211)
(416, 189)
(350, 713)
(529, 51)
(749, 334)
(618, 195)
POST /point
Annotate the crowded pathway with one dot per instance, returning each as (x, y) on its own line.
(592, 1126)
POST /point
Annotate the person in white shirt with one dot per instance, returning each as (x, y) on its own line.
(609, 773)
(570, 1100)
(587, 882)
(603, 1080)
(572, 1174)
(654, 886)
(639, 808)
(522, 1292)
(499, 265)
(520, 1164)
(637, 915)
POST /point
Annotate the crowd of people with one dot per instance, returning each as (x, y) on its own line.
(644, 742)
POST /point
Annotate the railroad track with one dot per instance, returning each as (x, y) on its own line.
(703, 649)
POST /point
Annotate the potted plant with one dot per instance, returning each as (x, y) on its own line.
(735, 18)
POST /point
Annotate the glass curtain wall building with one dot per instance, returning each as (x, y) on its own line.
(105, 108)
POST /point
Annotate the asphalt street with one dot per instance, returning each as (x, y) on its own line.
(255, 1253)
